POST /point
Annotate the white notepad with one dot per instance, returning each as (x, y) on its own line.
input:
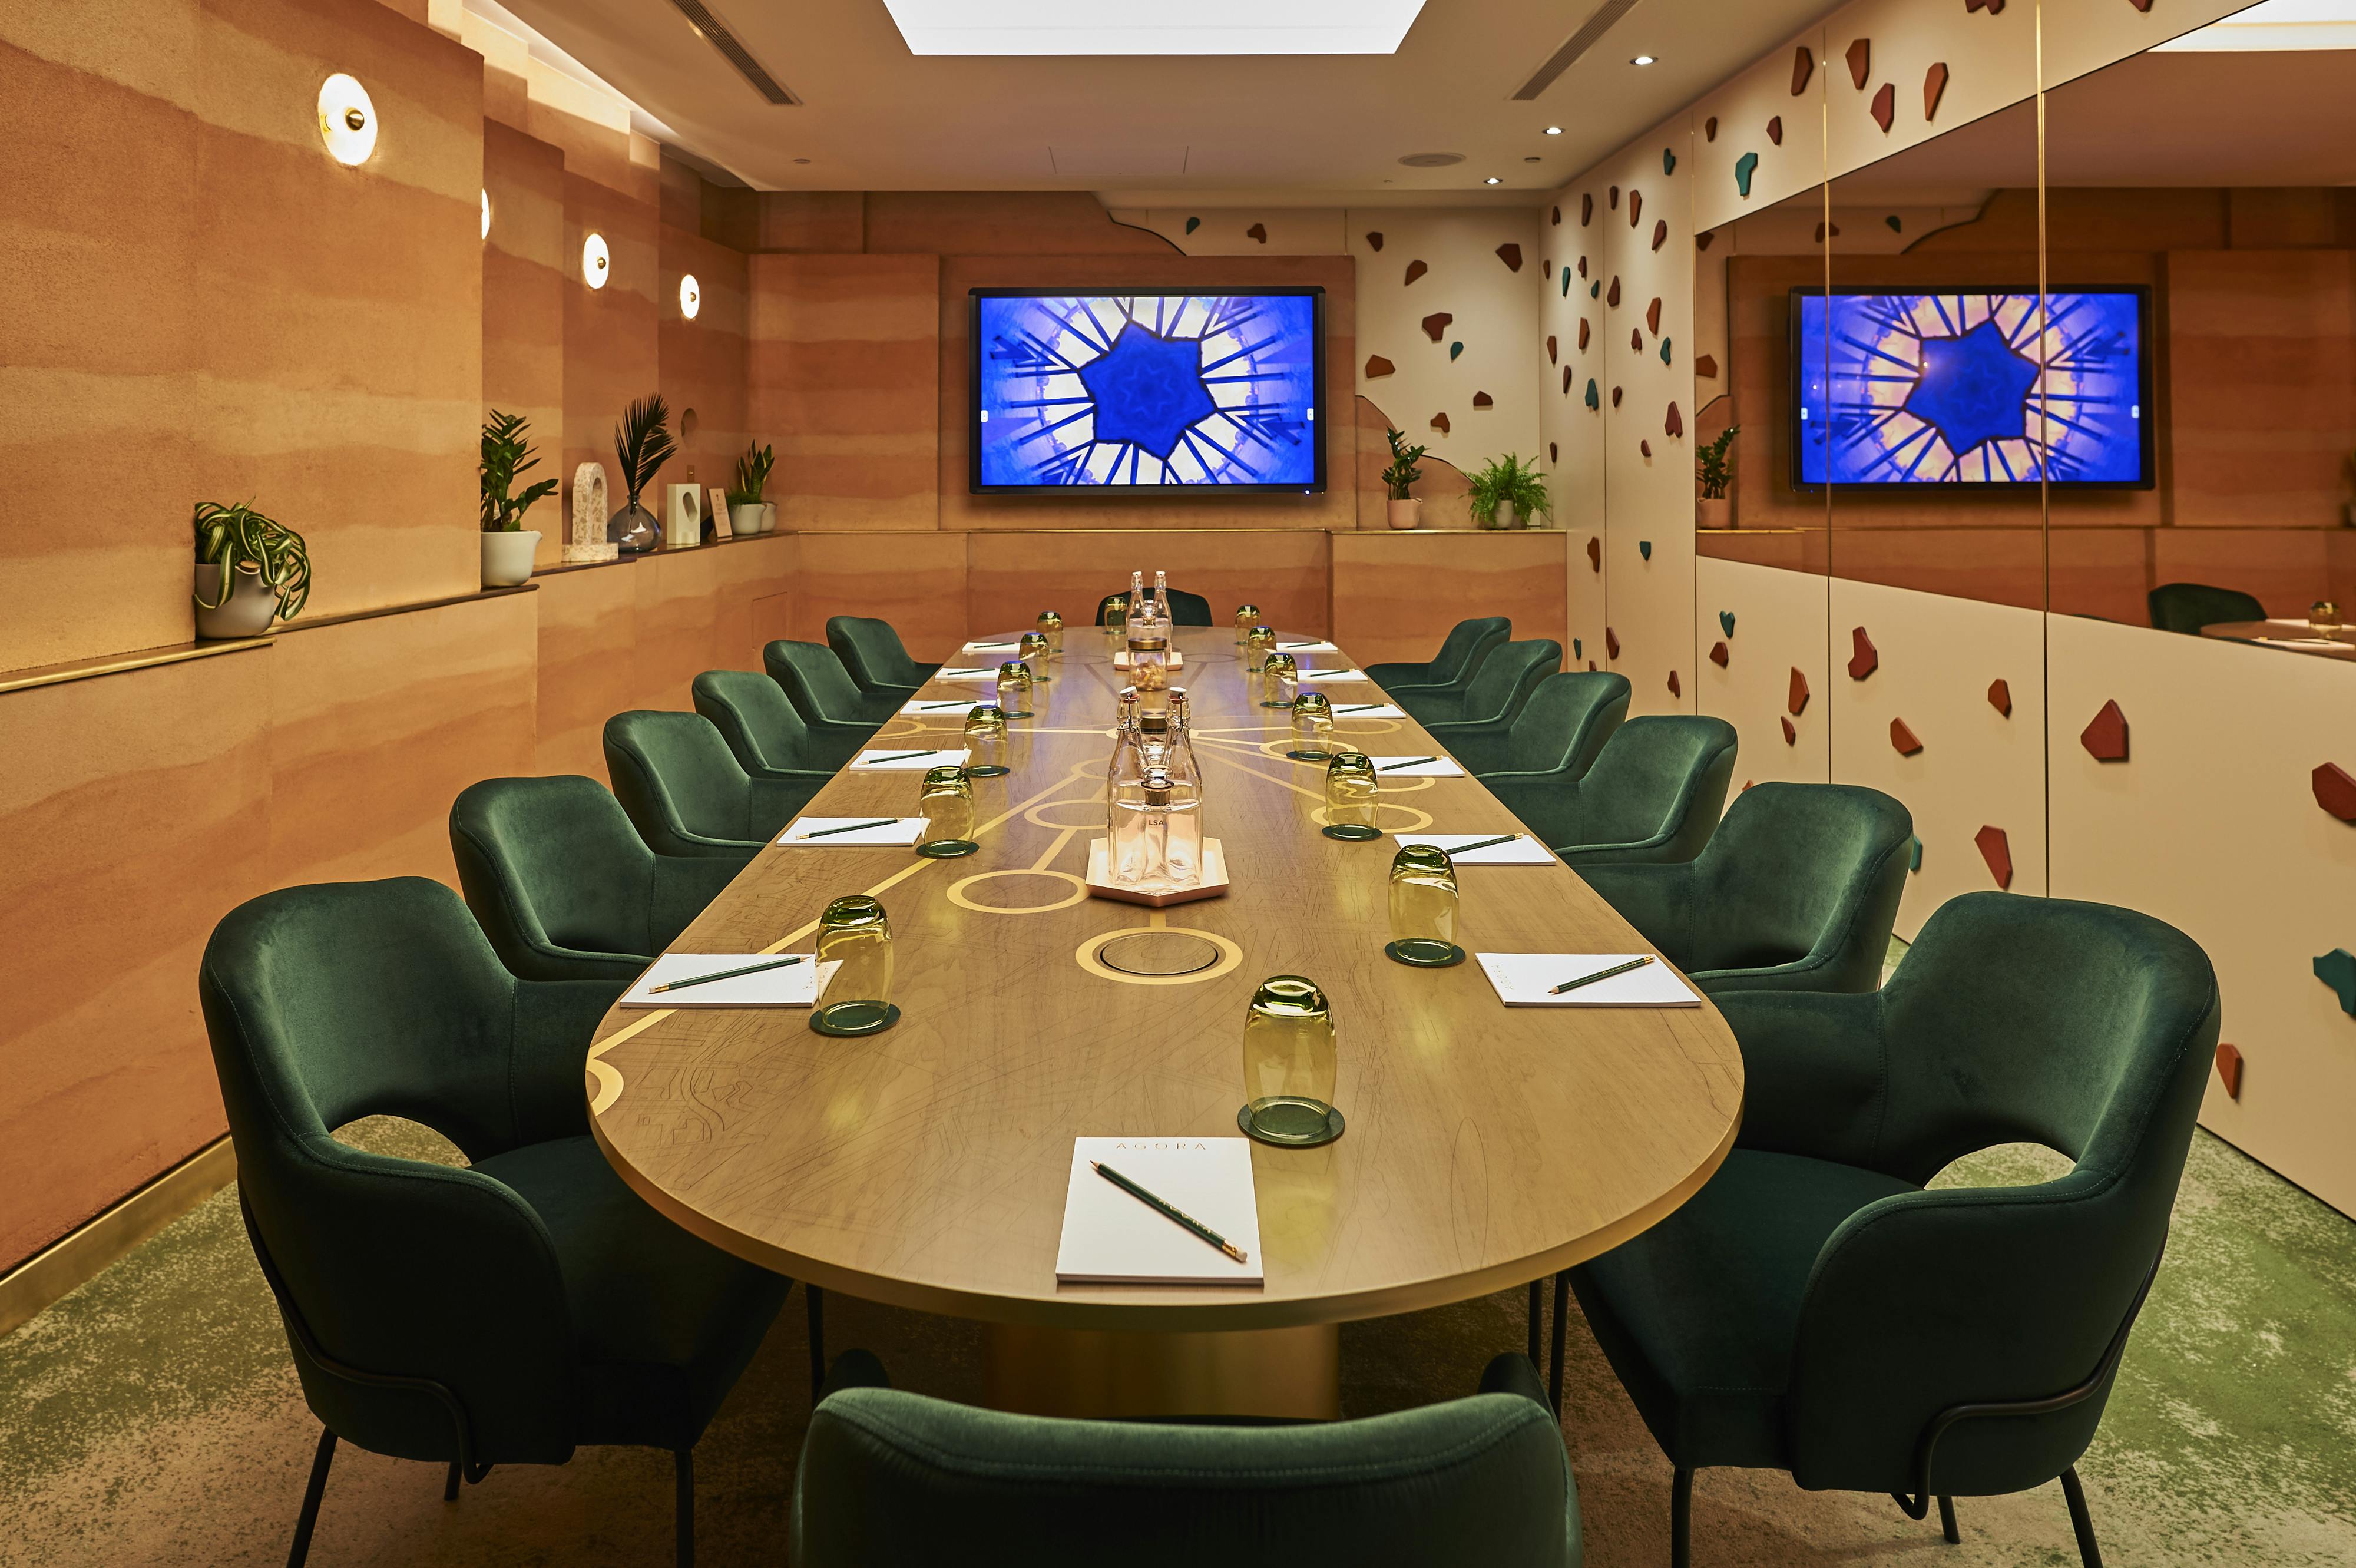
(1306, 648)
(793, 986)
(1344, 712)
(899, 759)
(1527, 978)
(899, 832)
(1112, 1238)
(1438, 767)
(1333, 674)
(940, 707)
(1523, 851)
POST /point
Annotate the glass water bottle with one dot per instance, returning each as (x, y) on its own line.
(1423, 908)
(1292, 1061)
(1125, 797)
(854, 968)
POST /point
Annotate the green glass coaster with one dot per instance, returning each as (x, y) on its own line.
(949, 849)
(1289, 1122)
(989, 770)
(1311, 755)
(1025, 713)
(1422, 952)
(1351, 832)
(854, 1018)
(1285, 706)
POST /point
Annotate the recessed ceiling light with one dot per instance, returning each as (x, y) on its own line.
(1493, 179)
(1205, 28)
(1553, 130)
(1642, 60)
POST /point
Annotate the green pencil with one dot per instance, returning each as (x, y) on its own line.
(722, 974)
(1411, 762)
(1172, 1211)
(1599, 975)
(849, 828)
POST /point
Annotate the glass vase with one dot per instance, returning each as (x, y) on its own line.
(634, 530)
(1290, 1064)
(854, 968)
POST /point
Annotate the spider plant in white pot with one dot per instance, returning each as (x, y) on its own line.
(250, 571)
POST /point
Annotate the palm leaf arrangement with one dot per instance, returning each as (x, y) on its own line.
(506, 457)
(240, 539)
(643, 443)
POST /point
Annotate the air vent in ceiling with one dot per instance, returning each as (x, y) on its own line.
(713, 31)
(1577, 44)
(1431, 160)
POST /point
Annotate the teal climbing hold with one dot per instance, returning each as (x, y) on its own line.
(1664, 350)
(2336, 969)
(1744, 167)
(1595, 289)
(1726, 622)
(1454, 349)
(1915, 856)
(1645, 548)
(1565, 283)
(1895, 226)
(1593, 400)
(1576, 651)
(1668, 161)
(1193, 224)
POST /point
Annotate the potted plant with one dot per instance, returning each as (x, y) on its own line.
(1403, 510)
(747, 513)
(250, 571)
(508, 546)
(642, 445)
(1714, 469)
(1508, 493)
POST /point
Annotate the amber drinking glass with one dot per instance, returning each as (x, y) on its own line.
(1279, 682)
(1033, 650)
(1247, 618)
(854, 968)
(945, 799)
(1014, 689)
(1423, 908)
(1312, 728)
(1352, 792)
(1051, 627)
(985, 741)
(1290, 1063)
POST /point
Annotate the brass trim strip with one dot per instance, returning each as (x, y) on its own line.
(115, 664)
(86, 1252)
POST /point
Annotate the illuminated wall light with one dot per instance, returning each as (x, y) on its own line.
(486, 215)
(1642, 59)
(1553, 130)
(596, 262)
(691, 296)
(1493, 179)
(347, 120)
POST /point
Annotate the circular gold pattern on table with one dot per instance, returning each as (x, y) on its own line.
(1093, 809)
(1422, 819)
(1231, 957)
(1160, 954)
(958, 897)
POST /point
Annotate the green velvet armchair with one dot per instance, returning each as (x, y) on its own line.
(764, 733)
(822, 691)
(1814, 1309)
(686, 795)
(893, 1477)
(1654, 794)
(1492, 699)
(1795, 891)
(503, 1313)
(563, 884)
(2189, 607)
(1185, 608)
(876, 659)
(1557, 735)
(1467, 644)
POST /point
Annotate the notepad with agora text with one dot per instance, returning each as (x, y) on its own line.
(1111, 1237)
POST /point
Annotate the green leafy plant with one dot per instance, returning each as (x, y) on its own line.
(1402, 471)
(506, 457)
(1712, 468)
(751, 476)
(240, 539)
(643, 443)
(1508, 481)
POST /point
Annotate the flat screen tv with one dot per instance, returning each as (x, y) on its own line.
(1958, 387)
(1148, 391)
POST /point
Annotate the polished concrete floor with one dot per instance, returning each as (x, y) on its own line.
(153, 1417)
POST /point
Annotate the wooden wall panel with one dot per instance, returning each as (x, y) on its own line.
(917, 582)
(135, 808)
(612, 344)
(1013, 576)
(588, 619)
(523, 309)
(1396, 594)
(677, 631)
(706, 362)
(844, 365)
(376, 725)
(753, 606)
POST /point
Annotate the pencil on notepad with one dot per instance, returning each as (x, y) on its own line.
(1484, 843)
(928, 707)
(1599, 974)
(1170, 1211)
(853, 827)
(722, 974)
(903, 756)
(1411, 762)
(1358, 707)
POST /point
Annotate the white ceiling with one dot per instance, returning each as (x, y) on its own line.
(1272, 129)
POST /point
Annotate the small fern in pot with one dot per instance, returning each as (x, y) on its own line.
(249, 570)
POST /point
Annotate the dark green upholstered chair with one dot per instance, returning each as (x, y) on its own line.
(1185, 608)
(764, 733)
(1492, 699)
(822, 691)
(686, 795)
(505, 1313)
(2189, 607)
(563, 884)
(1654, 794)
(1812, 1309)
(893, 1478)
(1467, 644)
(1558, 733)
(875, 657)
(1795, 891)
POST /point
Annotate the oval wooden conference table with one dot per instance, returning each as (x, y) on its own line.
(926, 1166)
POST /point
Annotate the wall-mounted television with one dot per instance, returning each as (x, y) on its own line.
(1148, 391)
(1971, 387)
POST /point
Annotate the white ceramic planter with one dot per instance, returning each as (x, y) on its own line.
(506, 557)
(768, 517)
(1403, 514)
(745, 519)
(248, 613)
(1505, 517)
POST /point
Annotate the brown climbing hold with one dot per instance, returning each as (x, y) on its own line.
(1414, 271)
(1483, 400)
(1864, 658)
(1610, 642)
(1710, 129)
(1776, 130)
(1378, 366)
(1582, 267)
(1796, 698)
(1615, 397)
(1614, 201)
(1635, 341)
(1594, 553)
(1435, 324)
(1718, 654)
(1636, 207)
(1676, 423)
(1257, 232)
(2335, 792)
(1935, 87)
(1582, 335)
(1653, 317)
(1791, 735)
(1901, 739)
(1611, 294)
(2144, 5)
(2000, 697)
(1554, 452)
(1645, 448)
(1701, 241)
(1706, 366)
(1674, 690)
(1552, 358)
(1566, 381)
(1860, 63)
(1997, 851)
(1558, 217)
(1803, 66)
(1374, 239)
(2106, 736)
(1511, 254)
(2229, 1068)
(1885, 104)
(1660, 232)
(1586, 208)
(1439, 423)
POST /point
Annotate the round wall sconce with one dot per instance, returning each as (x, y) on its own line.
(691, 296)
(347, 120)
(486, 215)
(596, 262)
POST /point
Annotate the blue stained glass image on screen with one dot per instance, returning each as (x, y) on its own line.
(1947, 389)
(1147, 390)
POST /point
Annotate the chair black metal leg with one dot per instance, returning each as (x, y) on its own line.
(683, 1460)
(2083, 1522)
(1561, 1312)
(1536, 1316)
(309, 1517)
(1681, 1520)
(450, 1486)
(814, 1300)
(1947, 1521)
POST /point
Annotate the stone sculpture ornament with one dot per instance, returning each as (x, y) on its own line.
(589, 512)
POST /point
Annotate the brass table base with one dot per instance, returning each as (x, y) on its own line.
(1103, 1372)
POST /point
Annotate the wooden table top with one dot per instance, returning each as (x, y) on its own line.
(926, 1166)
(2291, 636)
